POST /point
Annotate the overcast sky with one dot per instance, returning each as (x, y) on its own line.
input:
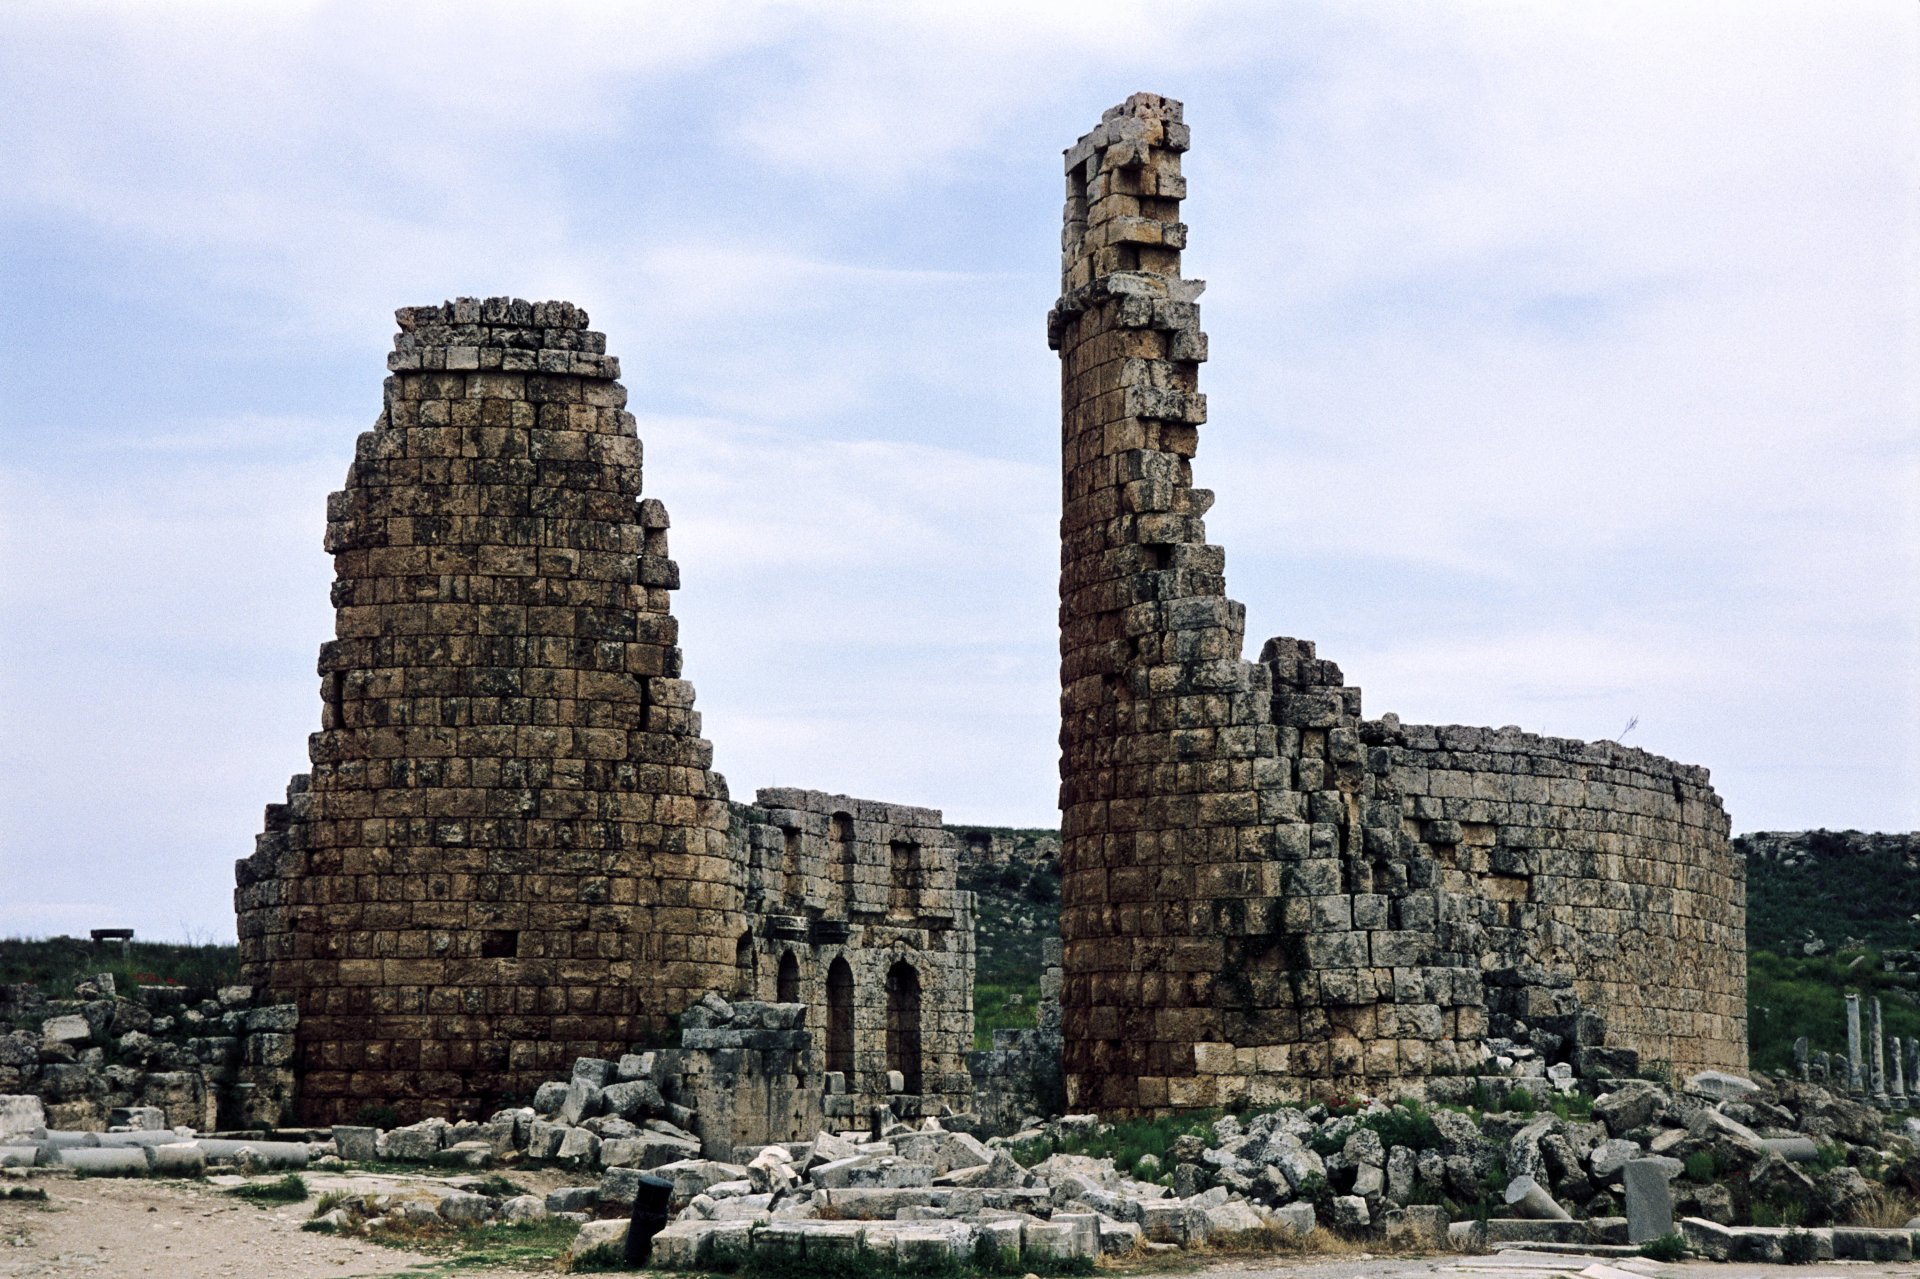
(1563, 374)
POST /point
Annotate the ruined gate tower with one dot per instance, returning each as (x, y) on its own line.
(1265, 896)
(511, 850)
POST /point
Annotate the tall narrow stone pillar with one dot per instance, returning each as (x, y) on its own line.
(1879, 1055)
(1856, 1074)
(1897, 1085)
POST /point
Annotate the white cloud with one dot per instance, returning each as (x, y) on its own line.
(1564, 369)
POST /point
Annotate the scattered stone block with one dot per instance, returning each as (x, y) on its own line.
(523, 1208)
(1857, 1243)
(599, 1243)
(574, 1199)
(1349, 1212)
(67, 1030)
(355, 1144)
(178, 1159)
(22, 1115)
(1234, 1225)
(1421, 1227)
(1529, 1199)
(1119, 1238)
(463, 1209)
(416, 1142)
(1649, 1199)
(1721, 1086)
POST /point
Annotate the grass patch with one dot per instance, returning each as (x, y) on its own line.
(1126, 1141)
(290, 1189)
(53, 965)
(993, 1009)
(1668, 1247)
(1798, 1248)
(536, 1245)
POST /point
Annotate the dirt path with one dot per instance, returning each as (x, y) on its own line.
(174, 1230)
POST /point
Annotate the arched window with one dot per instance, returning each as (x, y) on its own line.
(787, 986)
(743, 982)
(903, 1024)
(840, 1020)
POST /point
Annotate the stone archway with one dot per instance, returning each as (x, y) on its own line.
(787, 983)
(903, 1024)
(744, 984)
(840, 1019)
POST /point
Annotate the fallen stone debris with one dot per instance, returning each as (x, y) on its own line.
(1769, 1169)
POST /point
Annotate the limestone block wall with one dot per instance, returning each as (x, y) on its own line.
(1604, 861)
(1254, 905)
(510, 850)
(854, 911)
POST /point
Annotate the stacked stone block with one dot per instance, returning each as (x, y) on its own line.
(833, 878)
(1254, 906)
(511, 849)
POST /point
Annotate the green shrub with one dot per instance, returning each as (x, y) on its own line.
(1799, 1248)
(1699, 1167)
(1668, 1247)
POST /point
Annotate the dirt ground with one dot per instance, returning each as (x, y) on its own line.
(189, 1230)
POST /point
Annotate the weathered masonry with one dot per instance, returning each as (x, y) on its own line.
(1264, 894)
(512, 849)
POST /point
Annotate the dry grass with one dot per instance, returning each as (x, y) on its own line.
(1889, 1209)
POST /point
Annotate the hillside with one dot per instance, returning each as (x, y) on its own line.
(1828, 912)
(1811, 892)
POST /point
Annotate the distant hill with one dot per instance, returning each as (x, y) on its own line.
(1828, 912)
(1818, 891)
(1015, 875)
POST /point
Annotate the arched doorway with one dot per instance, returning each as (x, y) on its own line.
(743, 983)
(903, 1024)
(840, 1020)
(787, 985)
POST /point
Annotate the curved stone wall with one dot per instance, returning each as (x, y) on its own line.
(1600, 860)
(1265, 896)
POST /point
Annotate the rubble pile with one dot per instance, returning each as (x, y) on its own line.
(1742, 1169)
(207, 1059)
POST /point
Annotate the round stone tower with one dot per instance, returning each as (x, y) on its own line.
(511, 849)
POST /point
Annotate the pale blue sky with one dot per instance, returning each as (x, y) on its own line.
(1563, 374)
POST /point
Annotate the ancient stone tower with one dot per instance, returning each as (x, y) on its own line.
(1264, 895)
(510, 850)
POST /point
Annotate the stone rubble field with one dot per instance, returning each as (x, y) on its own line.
(1762, 1172)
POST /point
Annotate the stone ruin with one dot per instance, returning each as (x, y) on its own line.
(511, 849)
(1266, 895)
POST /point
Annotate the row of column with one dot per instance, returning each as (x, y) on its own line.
(1877, 1065)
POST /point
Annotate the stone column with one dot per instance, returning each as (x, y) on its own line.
(1855, 1072)
(1879, 1055)
(1800, 1057)
(1897, 1086)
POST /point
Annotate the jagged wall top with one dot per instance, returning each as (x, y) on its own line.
(508, 335)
